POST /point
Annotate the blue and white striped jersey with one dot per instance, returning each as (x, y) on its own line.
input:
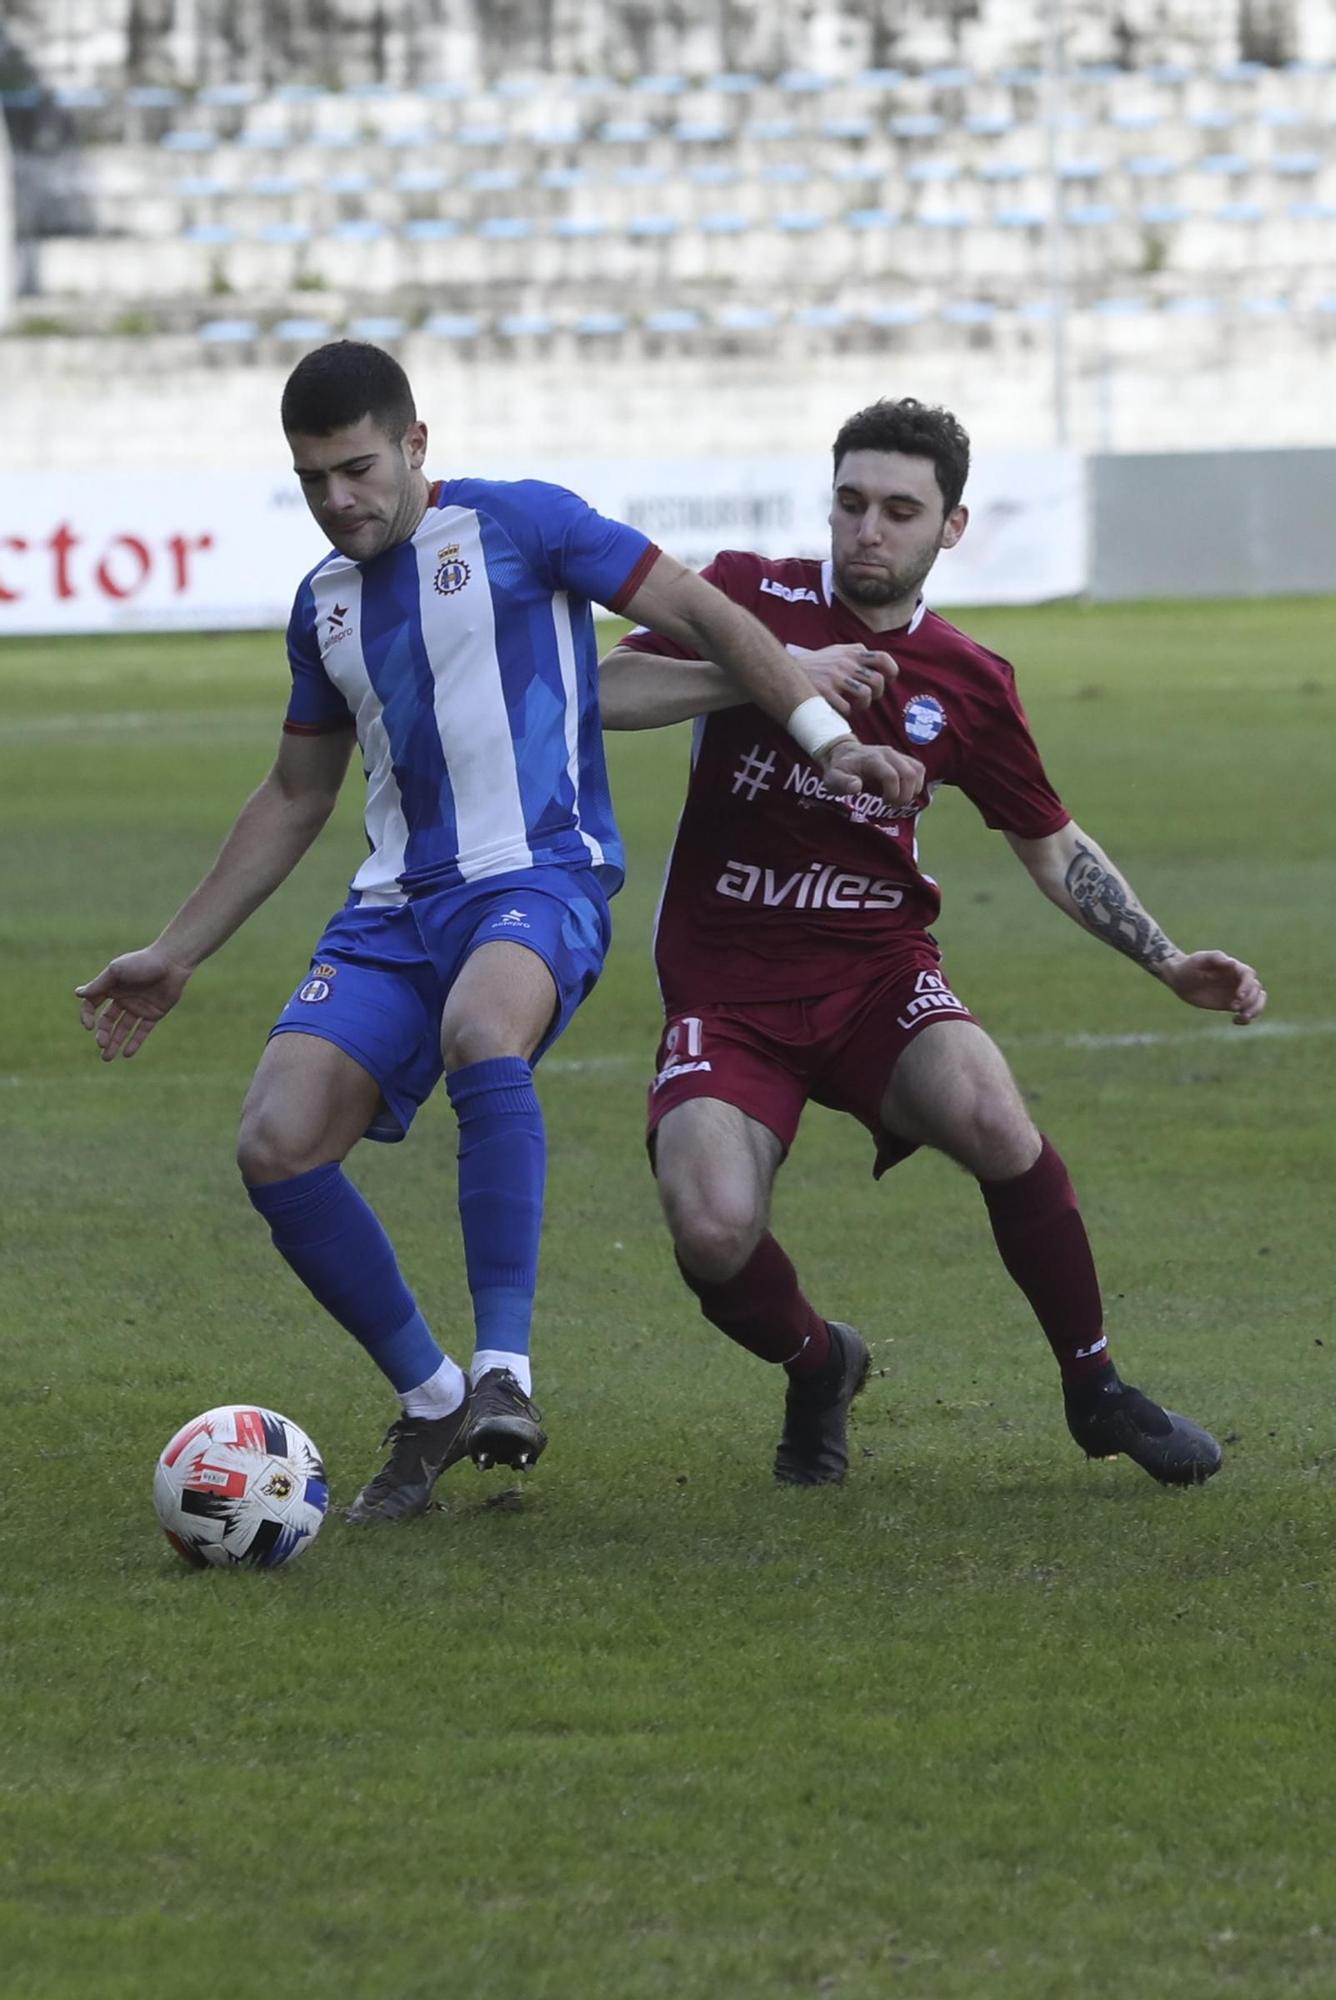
(467, 660)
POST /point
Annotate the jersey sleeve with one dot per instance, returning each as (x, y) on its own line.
(571, 545)
(315, 705)
(1004, 777)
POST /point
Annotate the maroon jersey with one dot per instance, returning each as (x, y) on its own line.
(778, 890)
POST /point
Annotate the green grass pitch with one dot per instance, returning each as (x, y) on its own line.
(988, 1721)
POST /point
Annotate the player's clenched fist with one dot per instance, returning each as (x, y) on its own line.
(853, 767)
(128, 998)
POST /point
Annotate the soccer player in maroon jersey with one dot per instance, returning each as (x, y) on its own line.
(796, 959)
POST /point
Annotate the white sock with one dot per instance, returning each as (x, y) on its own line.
(438, 1395)
(496, 1357)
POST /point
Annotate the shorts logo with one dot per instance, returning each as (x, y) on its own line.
(513, 920)
(932, 996)
(925, 718)
(314, 990)
(323, 971)
(453, 573)
(678, 1069)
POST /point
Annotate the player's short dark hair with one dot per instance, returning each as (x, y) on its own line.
(917, 429)
(335, 386)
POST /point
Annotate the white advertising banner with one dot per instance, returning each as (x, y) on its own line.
(137, 551)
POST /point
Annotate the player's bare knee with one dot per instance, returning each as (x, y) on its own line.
(1002, 1140)
(712, 1235)
(472, 1040)
(269, 1149)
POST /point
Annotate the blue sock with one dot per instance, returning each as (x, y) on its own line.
(502, 1167)
(330, 1236)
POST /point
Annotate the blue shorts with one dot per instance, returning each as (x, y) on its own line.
(379, 977)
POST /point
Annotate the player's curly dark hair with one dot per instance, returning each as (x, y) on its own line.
(335, 386)
(918, 429)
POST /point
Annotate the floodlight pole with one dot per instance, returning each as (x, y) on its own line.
(1054, 99)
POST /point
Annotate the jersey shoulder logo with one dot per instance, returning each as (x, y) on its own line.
(453, 573)
(925, 718)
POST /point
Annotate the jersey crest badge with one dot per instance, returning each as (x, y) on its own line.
(453, 573)
(925, 718)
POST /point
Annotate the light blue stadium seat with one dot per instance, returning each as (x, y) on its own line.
(1229, 164)
(1325, 304)
(944, 219)
(525, 326)
(823, 319)
(856, 171)
(1283, 117)
(1268, 306)
(564, 177)
(1170, 73)
(746, 319)
(480, 137)
(301, 328)
(200, 187)
(1001, 170)
(1160, 214)
(446, 90)
(713, 173)
(359, 229)
(948, 76)
(407, 138)
(298, 93)
(1152, 166)
(348, 183)
(334, 140)
(580, 226)
(800, 222)
(1019, 218)
(1098, 72)
(871, 218)
(917, 125)
(644, 226)
(79, 97)
(368, 92)
(218, 233)
(1037, 311)
(1296, 166)
(276, 187)
(517, 88)
(673, 319)
(772, 128)
(285, 232)
(803, 82)
(641, 175)
(505, 228)
(1192, 308)
(724, 224)
(1019, 76)
(591, 86)
(187, 142)
(879, 79)
(1311, 211)
(989, 124)
(1091, 214)
(969, 312)
(228, 93)
(1129, 118)
(1118, 308)
(228, 332)
(852, 129)
(601, 325)
(660, 86)
(1240, 211)
(787, 173)
(625, 132)
(556, 138)
(492, 180)
(732, 83)
(452, 326)
(1081, 170)
(1211, 118)
(701, 132)
(152, 97)
(893, 314)
(264, 140)
(1241, 72)
(939, 172)
(420, 180)
(430, 229)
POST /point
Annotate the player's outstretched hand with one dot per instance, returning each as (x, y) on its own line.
(850, 677)
(1214, 979)
(128, 999)
(853, 767)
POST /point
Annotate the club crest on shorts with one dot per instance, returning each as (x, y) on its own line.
(314, 990)
(925, 718)
(453, 573)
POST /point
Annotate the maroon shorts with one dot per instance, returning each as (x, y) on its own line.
(769, 1059)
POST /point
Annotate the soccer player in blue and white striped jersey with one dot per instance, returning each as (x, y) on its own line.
(450, 634)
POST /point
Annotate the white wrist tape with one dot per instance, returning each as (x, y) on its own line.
(815, 725)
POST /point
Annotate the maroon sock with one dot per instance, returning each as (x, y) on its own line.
(1042, 1241)
(763, 1308)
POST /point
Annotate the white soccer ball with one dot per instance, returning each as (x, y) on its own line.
(240, 1487)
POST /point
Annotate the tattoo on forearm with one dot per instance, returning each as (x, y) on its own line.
(1109, 909)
